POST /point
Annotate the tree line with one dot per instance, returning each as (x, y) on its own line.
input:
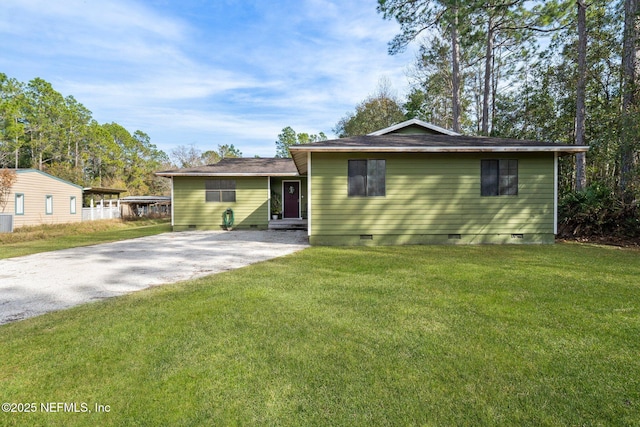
(554, 70)
(41, 129)
(550, 70)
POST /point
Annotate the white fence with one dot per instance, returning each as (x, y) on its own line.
(6, 223)
(104, 210)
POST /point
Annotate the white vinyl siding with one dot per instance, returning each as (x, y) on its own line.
(29, 199)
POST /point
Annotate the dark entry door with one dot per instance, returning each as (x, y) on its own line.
(291, 199)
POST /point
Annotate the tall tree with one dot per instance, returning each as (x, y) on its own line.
(581, 162)
(630, 107)
(75, 119)
(186, 156)
(456, 80)
(289, 137)
(228, 151)
(378, 111)
(139, 159)
(286, 138)
(40, 128)
(430, 98)
(105, 159)
(416, 17)
(210, 157)
(370, 115)
(12, 106)
(43, 121)
(504, 27)
(544, 104)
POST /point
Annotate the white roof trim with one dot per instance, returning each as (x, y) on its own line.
(451, 149)
(416, 122)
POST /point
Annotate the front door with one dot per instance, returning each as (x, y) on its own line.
(291, 198)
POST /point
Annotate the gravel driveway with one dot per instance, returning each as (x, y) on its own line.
(36, 284)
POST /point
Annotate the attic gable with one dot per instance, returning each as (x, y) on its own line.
(414, 126)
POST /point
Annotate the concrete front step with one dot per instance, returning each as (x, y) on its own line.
(288, 224)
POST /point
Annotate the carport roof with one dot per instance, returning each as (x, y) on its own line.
(239, 167)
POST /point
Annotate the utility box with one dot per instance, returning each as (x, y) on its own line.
(6, 223)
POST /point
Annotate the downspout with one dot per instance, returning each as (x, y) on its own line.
(172, 204)
(555, 194)
(309, 196)
(268, 199)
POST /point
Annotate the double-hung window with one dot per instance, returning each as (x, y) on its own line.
(220, 190)
(367, 178)
(499, 177)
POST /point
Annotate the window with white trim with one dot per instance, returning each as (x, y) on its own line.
(72, 205)
(48, 203)
(19, 204)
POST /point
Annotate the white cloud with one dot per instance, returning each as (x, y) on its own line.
(113, 16)
(102, 31)
(303, 64)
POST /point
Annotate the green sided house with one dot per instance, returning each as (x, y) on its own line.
(412, 183)
(255, 190)
(429, 188)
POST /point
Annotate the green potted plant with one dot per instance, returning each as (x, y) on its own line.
(276, 205)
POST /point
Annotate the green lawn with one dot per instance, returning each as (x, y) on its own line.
(430, 335)
(44, 238)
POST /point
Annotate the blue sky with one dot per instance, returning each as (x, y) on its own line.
(206, 72)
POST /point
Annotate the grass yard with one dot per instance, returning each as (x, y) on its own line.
(43, 238)
(429, 335)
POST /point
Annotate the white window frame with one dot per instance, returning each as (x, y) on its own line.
(48, 204)
(19, 209)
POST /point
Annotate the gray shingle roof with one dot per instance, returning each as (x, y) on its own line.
(244, 166)
(427, 143)
(370, 143)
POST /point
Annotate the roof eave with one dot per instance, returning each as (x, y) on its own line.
(300, 159)
(449, 149)
(205, 174)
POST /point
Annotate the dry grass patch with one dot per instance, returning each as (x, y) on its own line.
(42, 238)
